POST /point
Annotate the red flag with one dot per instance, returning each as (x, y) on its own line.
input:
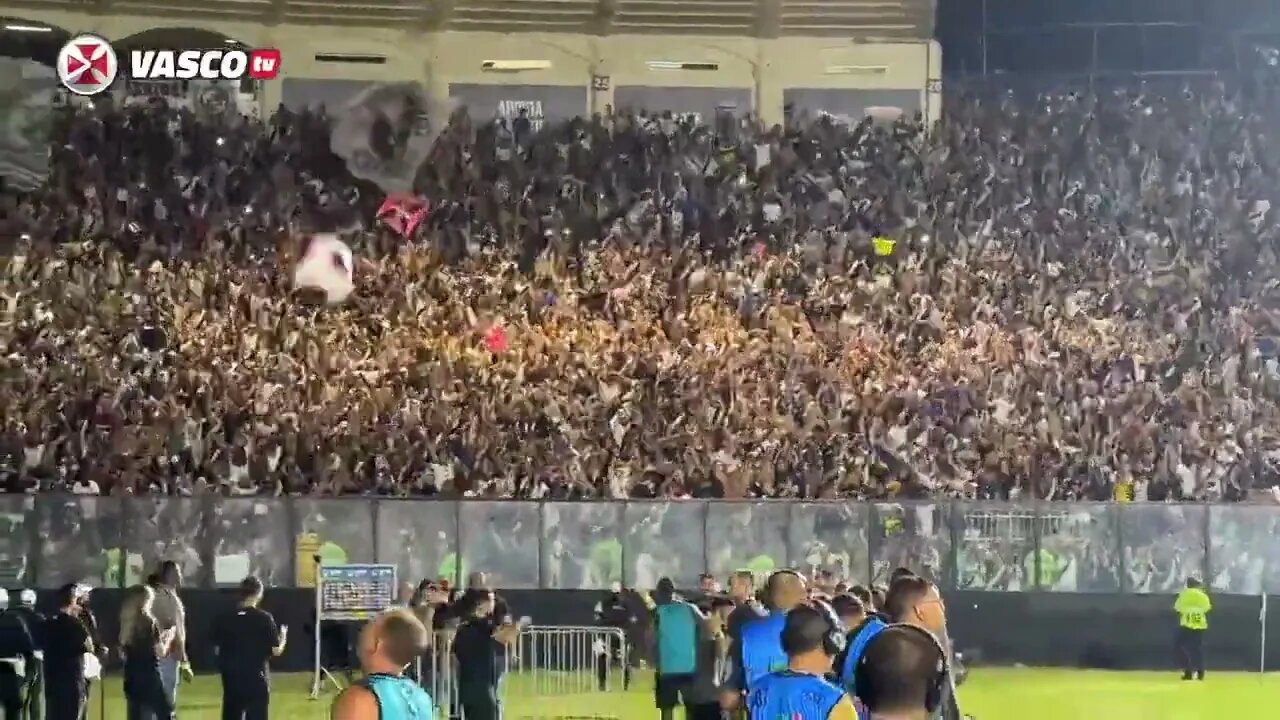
(403, 213)
(496, 339)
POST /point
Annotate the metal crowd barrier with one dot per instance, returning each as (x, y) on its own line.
(551, 672)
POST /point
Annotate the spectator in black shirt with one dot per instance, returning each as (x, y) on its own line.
(246, 639)
(91, 624)
(481, 649)
(613, 612)
(142, 644)
(33, 686)
(17, 658)
(66, 640)
(478, 587)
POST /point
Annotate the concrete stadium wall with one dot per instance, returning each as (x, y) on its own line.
(1104, 631)
(766, 69)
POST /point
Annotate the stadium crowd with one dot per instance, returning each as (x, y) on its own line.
(1070, 296)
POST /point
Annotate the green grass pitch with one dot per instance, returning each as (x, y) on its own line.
(990, 694)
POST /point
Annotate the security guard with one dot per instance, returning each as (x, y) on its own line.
(17, 654)
(758, 651)
(33, 685)
(1193, 607)
(811, 638)
(247, 637)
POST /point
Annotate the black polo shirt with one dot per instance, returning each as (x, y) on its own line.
(66, 640)
(245, 639)
(481, 658)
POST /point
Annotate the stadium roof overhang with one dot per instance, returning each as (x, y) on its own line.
(855, 19)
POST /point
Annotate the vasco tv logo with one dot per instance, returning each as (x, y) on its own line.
(88, 64)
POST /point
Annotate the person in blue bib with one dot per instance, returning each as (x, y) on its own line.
(388, 644)
(758, 649)
(860, 634)
(811, 638)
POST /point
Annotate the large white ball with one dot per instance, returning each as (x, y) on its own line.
(327, 266)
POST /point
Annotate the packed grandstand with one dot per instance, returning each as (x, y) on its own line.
(1068, 295)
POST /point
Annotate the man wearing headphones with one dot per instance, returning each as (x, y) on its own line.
(915, 601)
(811, 638)
(758, 649)
(902, 675)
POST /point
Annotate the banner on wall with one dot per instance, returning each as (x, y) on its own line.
(209, 98)
(540, 103)
(531, 109)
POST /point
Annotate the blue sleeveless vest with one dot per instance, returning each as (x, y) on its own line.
(399, 698)
(789, 695)
(857, 645)
(762, 647)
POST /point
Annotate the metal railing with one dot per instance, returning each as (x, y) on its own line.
(48, 540)
(547, 668)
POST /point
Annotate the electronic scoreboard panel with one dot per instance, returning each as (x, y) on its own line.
(355, 592)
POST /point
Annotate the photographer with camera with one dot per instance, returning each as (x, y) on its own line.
(480, 646)
(246, 639)
(430, 604)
